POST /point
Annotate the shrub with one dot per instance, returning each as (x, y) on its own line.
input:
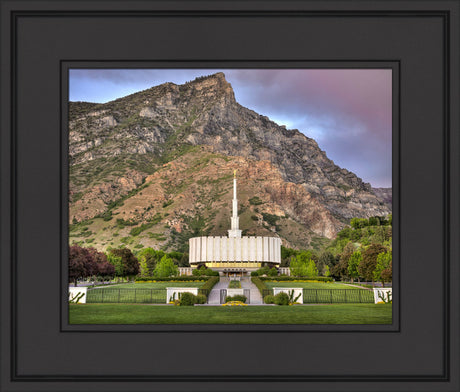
(282, 299)
(255, 201)
(269, 299)
(254, 273)
(200, 299)
(260, 285)
(234, 284)
(187, 299)
(273, 272)
(240, 298)
(196, 272)
(203, 271)
(263, 271)
(210, 283)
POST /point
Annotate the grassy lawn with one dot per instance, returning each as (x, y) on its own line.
(308, 314)
(156, 285)
(312, 285)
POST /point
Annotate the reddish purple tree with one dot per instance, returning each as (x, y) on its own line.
(84, 262)
(79, 260)
(106, 269)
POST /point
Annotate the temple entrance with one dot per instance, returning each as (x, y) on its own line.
(235, 272)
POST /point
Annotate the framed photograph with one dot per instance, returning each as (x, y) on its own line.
(181, 195)
(230, 196)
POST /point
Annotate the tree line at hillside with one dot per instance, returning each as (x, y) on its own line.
(361, 251)
(122, 263)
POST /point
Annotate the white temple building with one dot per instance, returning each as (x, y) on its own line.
(235, 254)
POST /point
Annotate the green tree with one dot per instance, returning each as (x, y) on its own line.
(117, 262)
(326, 259)
(359, 223)
(387, 273)
(129, 261)
(299, 263)
(147, 261)
(286, 255)
(341, 269)
(175, 256)
(353, 263)
(379, 235)
(143, 268)
(384, 263)
(374, 221)
(184, 260)
(367, 265)
(345, 233)
(311, 270)
(165, 268)
(327, 273)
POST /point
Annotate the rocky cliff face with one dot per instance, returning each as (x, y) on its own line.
(116, 147)
(384, 194)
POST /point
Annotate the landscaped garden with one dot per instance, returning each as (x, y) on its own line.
(311, 285)
(143, 292)
(156, 285)
(297, 314)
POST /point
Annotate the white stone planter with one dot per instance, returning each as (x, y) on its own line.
(288, 291)
(383, 294)
(233, 292)
(173, 292)
(75, 291)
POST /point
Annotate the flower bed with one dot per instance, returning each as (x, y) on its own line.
(234, 303)
(172, 279)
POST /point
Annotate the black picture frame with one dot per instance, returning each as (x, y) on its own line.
(418, 39)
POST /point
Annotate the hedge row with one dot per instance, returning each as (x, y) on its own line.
(210, 283)
(189, 299)
(296, 278)
(241, 298)
(260, 285)
(172, 278)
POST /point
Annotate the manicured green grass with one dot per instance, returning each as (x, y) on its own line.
(168, 314)
(156, 285)
(312, 285)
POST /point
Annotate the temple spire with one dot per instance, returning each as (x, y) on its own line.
(235, 232)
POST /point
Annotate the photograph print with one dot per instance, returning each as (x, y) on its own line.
(230, 196)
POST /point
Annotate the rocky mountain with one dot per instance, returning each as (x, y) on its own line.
(155, 167)
(384, 194)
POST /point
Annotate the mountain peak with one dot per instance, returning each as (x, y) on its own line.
(190, 125)
(214, 84)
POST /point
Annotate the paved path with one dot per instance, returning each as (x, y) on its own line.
(255, 296)
(214, 295)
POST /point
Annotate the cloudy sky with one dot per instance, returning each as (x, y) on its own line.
(347, 111)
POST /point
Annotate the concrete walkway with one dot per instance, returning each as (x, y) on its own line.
(255, 296)
(214, 295)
